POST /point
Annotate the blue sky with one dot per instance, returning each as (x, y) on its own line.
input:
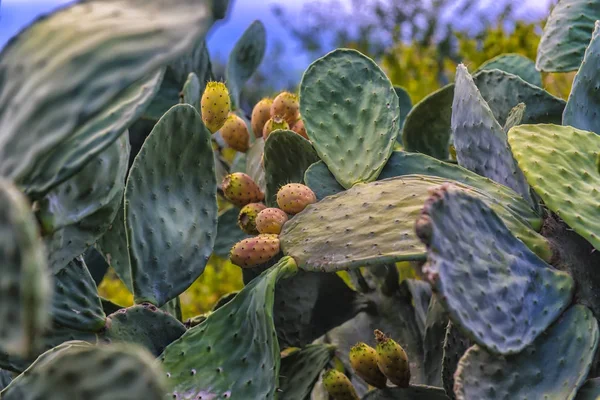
(15, 14)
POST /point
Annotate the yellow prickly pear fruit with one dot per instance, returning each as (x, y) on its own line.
(271, 220)
(235, 133)
(392, 360)
(215, 105)
(299, 128)
(240, 189)
(339, 386)
(274, 124)
(363, 359)
(286, 106)
(247, 218)
(261, 113)
(254, 251)
(295, 197)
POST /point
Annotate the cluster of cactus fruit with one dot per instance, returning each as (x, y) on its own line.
(464, 227)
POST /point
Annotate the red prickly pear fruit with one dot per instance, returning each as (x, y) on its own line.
(271, 220)
(299, 128)
(255, 250)
(294, 197)
(247, 218)
(392, 360)
(240, 189)
(363, 359)
(215, 105)
(235, 133)
(339, 386)
(286, 106)
(261, 113)
(274, 124)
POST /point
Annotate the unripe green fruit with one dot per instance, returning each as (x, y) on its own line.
(271, 220)
(235, 133)
(247, 217)
(299, 128)
(339, 386)
(363, 359)
(294, 197)
(392, 360)
(286, 106)
(215, 105)
(254, 251)
(274, 124)
(261, 113)
(240, 189)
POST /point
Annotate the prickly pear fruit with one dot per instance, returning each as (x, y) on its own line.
(294, 197)
(339, 386)
(392, 360)
(286, 106)
(271, 220)
(273, 124)
(240, 189)
(235, 133)
(261, 113)
(247, 218)
(255, 250)
(299, 128)
(215, 105)
(363, 359)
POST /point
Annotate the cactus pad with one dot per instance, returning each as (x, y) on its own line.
(572, 191)
(554, 366)
(373, 224)
(254, 163)
(566, 35)
(228, 232)
(113, 246)
(25, 284)
(351, 115)
(75, 303)
(481, 144)
(119, 372)
(455, 345)
(590, 390)
(301, 369)
(244, 59)
(214, 360)
(515, 64)
(433, 340)
(287, 157)
(515, 117)
(144, 325)
(406, 105)
(488, 280)
(171, 217)
(190, 93)
(321, 180)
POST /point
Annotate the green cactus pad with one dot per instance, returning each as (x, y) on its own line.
(109, 307)
(515, 117)
(405, 104)
(5, 379)
(214, 360)
(244, 59)
(116, 372)
(113, 246)
(566, 35)
(173, 308)
(301, 369)
(414, 392)
(96, 264)
(487, 279)
(502, 91)
(321, 181)
(421, 294)
(433, 340)
(455, 345)
(427, 126)
(190, 93)
(374, 224)
(171, 216)
(254, 167)
(52, 137)
(351, 114)
(228, 233)
(515, 64)
(584, 100)
(590, 390)
(572, 192)
(25, 284)
(287, 156)
(75, 303)
(481, 144)
(144, 325)
(553, 367)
